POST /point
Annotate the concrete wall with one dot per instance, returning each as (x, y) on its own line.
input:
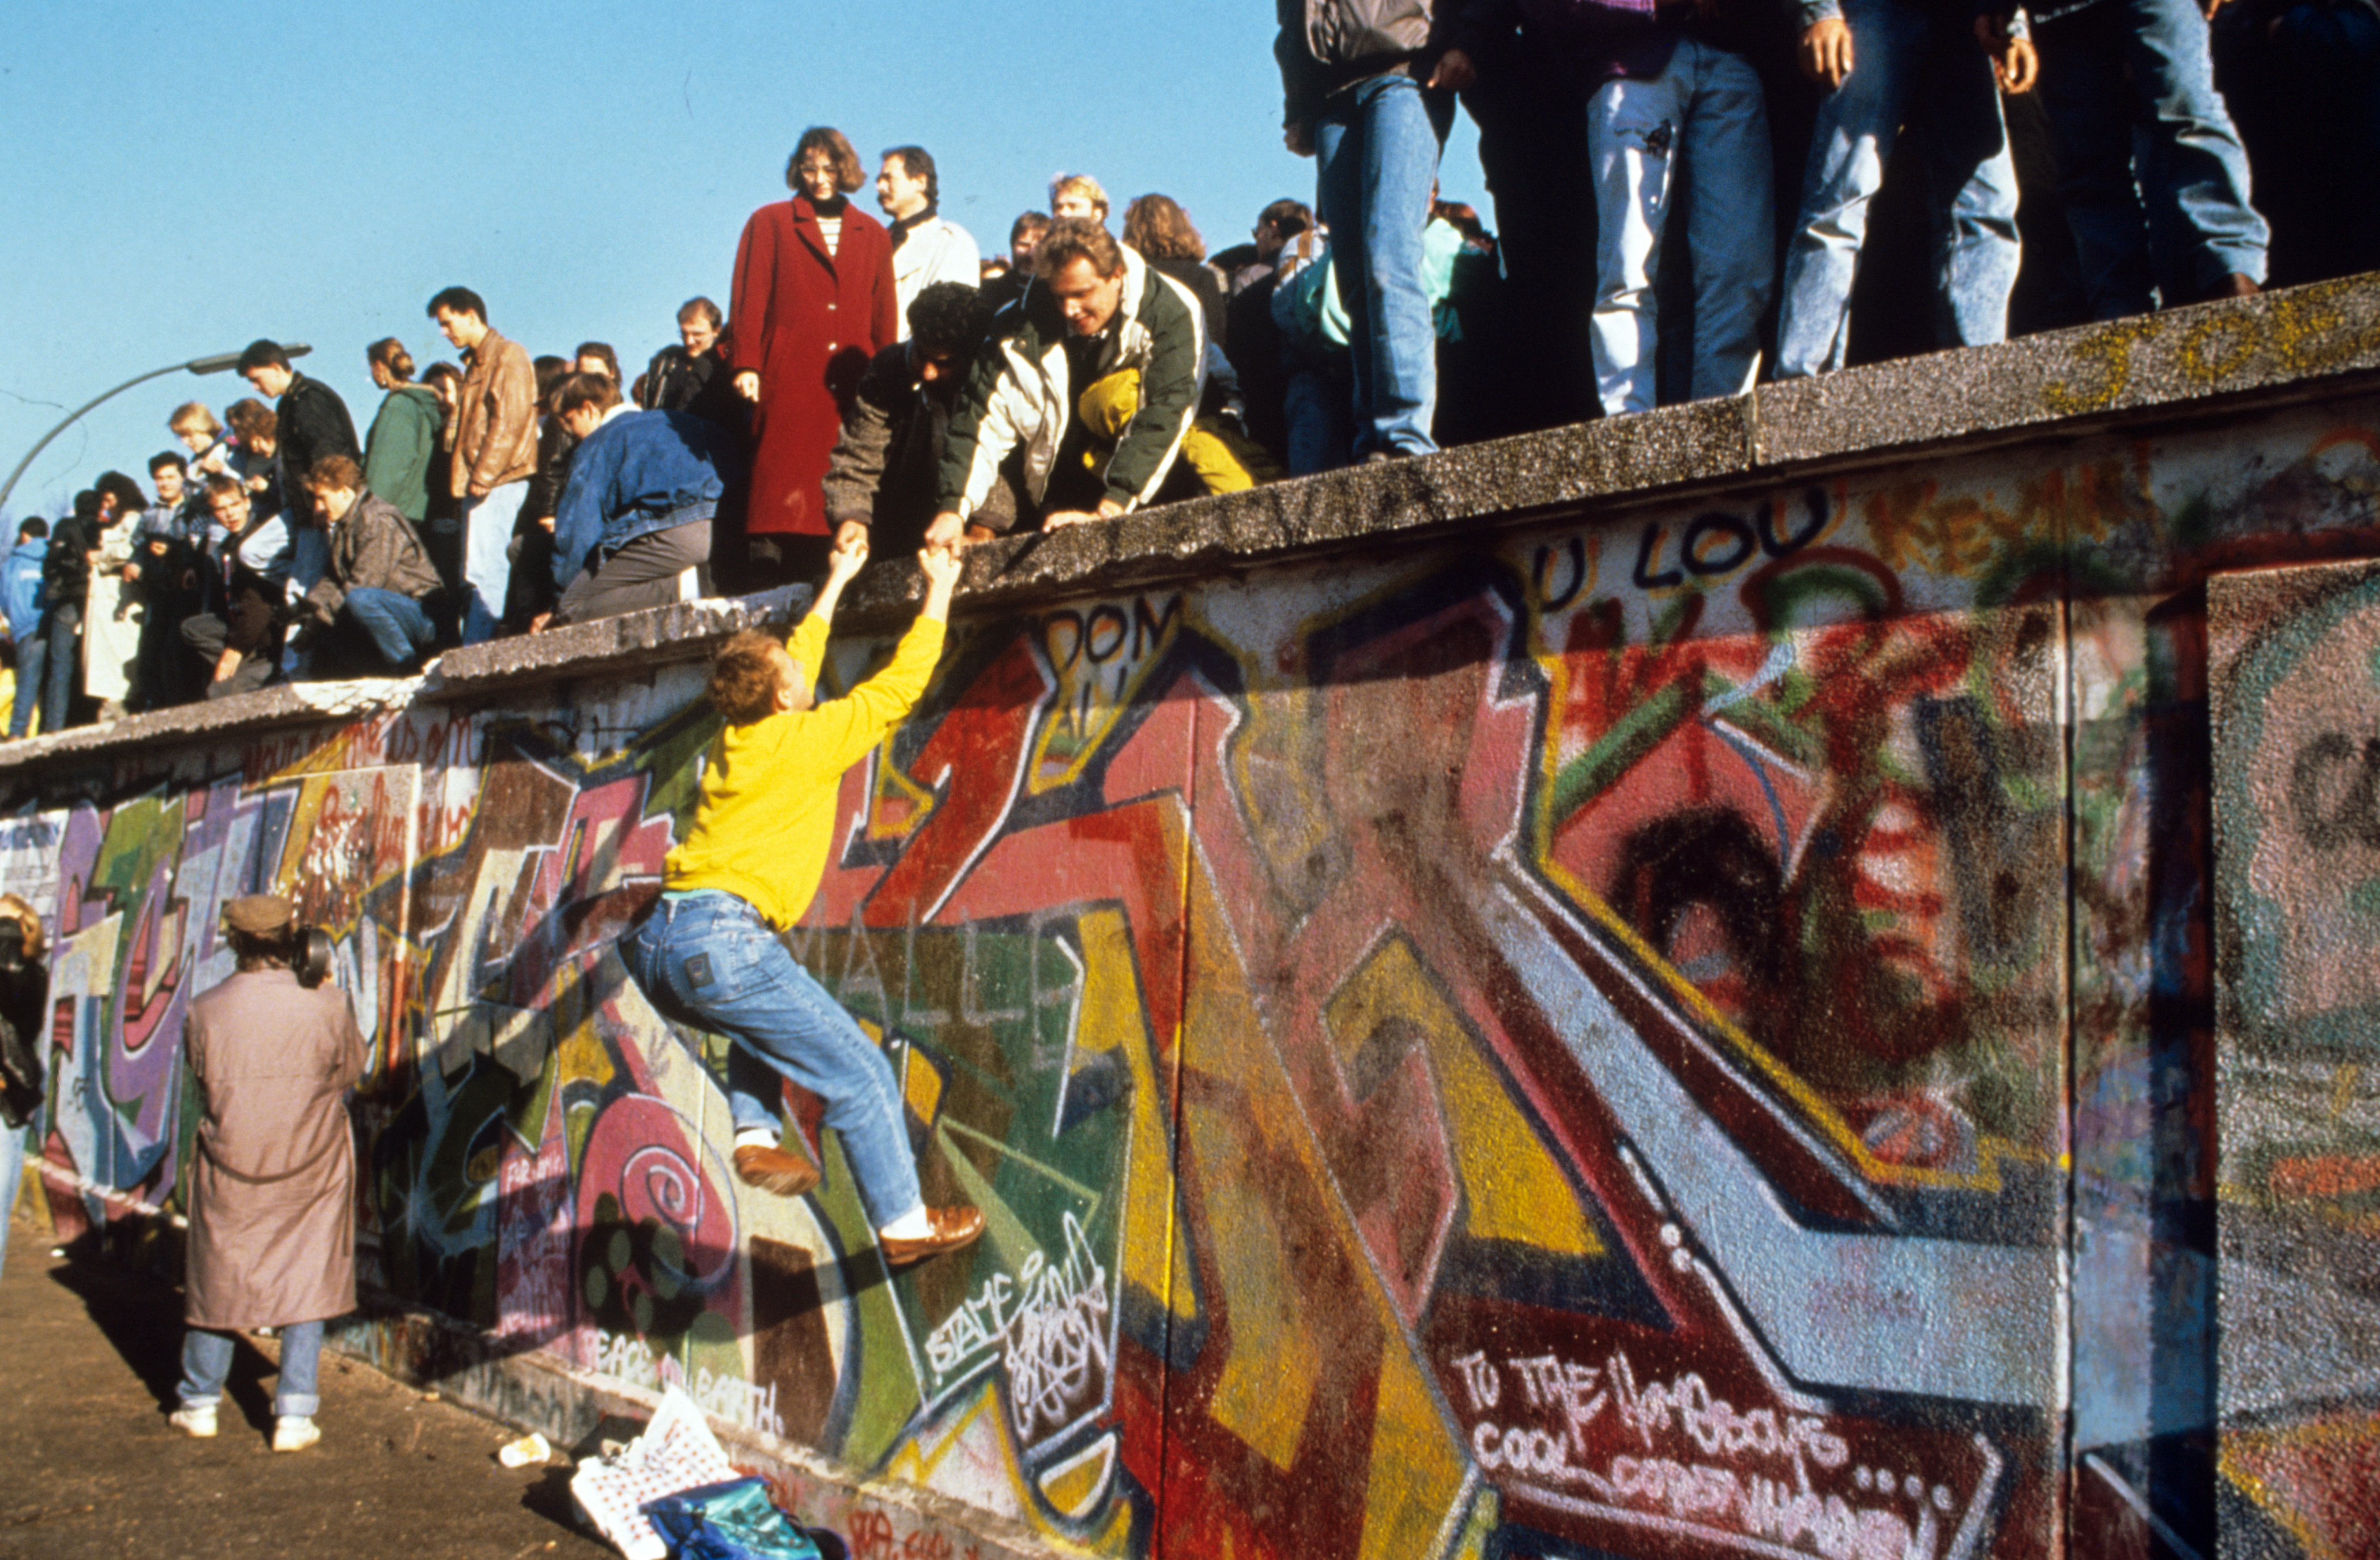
(1651, 990)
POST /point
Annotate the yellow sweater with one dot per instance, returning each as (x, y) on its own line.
(766, 817)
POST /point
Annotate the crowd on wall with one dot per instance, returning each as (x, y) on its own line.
(1689, 194)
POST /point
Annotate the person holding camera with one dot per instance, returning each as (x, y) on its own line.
(711, 951)
(272, 1238)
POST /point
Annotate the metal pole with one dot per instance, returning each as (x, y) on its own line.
(214, 364)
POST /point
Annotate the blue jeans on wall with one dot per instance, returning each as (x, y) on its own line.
(206, 1361)
(1377, 143)
(1921, 64)
(12, 1172)
(707, 958)
(2196, 175)
(63, 629)
(1704, 116)
(395, 624)
(32, 660)
(487, 558)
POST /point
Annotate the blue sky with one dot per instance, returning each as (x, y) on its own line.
(184, 180)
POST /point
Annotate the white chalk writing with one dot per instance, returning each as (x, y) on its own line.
(1049, 1325)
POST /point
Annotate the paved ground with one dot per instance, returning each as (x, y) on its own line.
(88, 1362)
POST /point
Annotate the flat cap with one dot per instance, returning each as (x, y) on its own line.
(259, 914)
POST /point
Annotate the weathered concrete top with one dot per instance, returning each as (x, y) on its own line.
(2213, 360)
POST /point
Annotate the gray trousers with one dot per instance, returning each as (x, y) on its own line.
(645, 572)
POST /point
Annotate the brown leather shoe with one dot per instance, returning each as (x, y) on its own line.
(774, 1170)
(2237, 285)
(953, 1228)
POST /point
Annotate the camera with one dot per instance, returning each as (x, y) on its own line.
(310, 955)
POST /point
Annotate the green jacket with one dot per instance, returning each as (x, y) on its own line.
(397, 452)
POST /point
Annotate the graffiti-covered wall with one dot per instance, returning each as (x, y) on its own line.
(1687, 1031)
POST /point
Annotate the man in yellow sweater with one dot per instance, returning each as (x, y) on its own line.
(708, 952)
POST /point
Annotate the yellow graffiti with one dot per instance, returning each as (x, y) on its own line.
(1511, 1188)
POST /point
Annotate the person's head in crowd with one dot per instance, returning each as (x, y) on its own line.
(261, 930)
(168, 473)
(35, 529)
(118, 495)
(462, 317)
(227, 502)
(991, 268)
(1022, 234)
(1082, 265)
(580, 401)
(596, 357)
(824, 168)
(264, 365)
(258, 426)
(1077, 195)
(1160, 229)
(391, 365)
(86, 505)
(754, 676)
(550, 372)
(699, 324)
(1279, 223)
(906, 185)
(337, 482)
(947, 323)
(447, 380)
(1465, 219)
(194, 425)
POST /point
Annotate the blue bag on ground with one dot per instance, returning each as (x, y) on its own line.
(727, 1521)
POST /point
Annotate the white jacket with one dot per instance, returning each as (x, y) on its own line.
(934, 251)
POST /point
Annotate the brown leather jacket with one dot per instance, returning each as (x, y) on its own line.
(495, 428)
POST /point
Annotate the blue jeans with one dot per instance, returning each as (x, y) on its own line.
(63, 629)
(487, 558)
(395, 624)
(1376, 144)
(709, 960)
(206, 1361)
(1703, 116)
(1921, 63)
(2195, 176)
(32, 659)
(12, 1172)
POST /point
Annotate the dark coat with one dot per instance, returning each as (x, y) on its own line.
(375, 547)
(313, 422)
(807, 324)
(889, 459)
(273, 1225)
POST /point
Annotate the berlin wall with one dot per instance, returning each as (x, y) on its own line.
(1789, 976)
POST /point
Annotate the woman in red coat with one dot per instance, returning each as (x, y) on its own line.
(813, 302)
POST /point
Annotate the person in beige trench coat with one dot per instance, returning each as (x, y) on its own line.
(272, 1239)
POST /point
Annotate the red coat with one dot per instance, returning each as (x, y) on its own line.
(807, 324)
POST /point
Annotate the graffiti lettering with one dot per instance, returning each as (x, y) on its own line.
(1049, 1325)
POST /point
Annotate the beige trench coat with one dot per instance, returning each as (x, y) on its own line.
(272, 1231)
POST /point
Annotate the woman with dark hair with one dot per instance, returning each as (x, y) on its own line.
(443, 532)
(814, 301)
(1160, 230)
(403, 432)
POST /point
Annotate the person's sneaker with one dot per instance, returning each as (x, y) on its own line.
(197, 1423)
(774, 1170)
(295, 1432)
(949, 1228)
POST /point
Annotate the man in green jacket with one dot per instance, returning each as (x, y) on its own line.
(1094, 310)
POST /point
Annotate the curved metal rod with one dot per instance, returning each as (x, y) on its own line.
(214, 364)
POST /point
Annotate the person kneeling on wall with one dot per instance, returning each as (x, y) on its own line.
(708, 952)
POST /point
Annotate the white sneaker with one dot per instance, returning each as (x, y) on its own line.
(291, 1432)
(197, 1423)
